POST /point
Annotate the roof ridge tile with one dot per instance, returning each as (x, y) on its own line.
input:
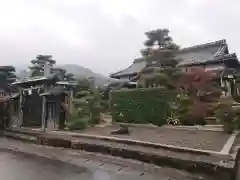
(214, 43)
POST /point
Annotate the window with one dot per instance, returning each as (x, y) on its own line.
(2, 93)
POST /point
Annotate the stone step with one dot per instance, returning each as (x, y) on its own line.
(193, 162)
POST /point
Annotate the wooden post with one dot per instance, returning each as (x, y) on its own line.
(228, 88)
(110, 100)
(10, 113)
(20, 113)
(71, 101)
(58, 105)
(43, 124)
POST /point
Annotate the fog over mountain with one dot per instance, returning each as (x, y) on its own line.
(77, 70)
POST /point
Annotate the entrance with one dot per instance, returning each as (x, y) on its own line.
(32, 110)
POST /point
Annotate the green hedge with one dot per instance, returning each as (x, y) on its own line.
(141, 105)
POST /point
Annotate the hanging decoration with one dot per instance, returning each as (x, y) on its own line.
(30, 90)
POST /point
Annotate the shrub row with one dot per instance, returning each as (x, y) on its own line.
(141, 105)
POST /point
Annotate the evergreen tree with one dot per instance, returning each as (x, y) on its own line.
(86, 106)
(37, 67)
(69, 77)
(8, 74)
(161, 69)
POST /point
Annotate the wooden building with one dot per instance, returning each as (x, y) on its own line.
(210, 56)
(43, 100)
(42, 103)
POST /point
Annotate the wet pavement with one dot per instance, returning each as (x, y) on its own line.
(17, 166)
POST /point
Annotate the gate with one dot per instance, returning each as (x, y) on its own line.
(32, 110)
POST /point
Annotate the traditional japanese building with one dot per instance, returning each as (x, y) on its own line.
(43, 100)
(210, 56)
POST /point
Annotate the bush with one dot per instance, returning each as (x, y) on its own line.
(141, 105)
(78, 124)
(236, 118)
(226, 114)
(186, 119)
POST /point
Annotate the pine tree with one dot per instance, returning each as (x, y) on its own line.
(37, 67)
(69, 77)
(161, 69)
(8, 74)
(86, 106)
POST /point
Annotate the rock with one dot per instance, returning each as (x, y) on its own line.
(122, 130)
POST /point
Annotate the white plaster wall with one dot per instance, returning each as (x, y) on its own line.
(214, 67)
(124, 78)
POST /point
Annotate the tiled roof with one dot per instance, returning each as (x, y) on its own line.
(191, 55)
(67, 83)
(35, 79)
(7, 68)
(55, 91)
(201, 53)
(136, 67)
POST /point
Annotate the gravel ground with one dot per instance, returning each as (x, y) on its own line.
(111, 167)
(197, 139)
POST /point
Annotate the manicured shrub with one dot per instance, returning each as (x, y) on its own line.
(226, 114)
(78, 124)
(141, 105)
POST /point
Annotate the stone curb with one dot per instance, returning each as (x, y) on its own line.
(187, 165)
(180, 127)
(125, 141)
(142, 143)
(25, 138)
(159, 160)
(199, 128)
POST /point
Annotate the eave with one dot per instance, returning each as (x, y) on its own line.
(220, 59)
(124, 75)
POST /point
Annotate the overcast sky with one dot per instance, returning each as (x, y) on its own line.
(106, 35)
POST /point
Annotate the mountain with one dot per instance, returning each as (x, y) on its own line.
(81, 72)
(78, 71)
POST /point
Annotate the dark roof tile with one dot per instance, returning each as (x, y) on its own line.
(55, 91)
(134, 68)
(191, 55)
